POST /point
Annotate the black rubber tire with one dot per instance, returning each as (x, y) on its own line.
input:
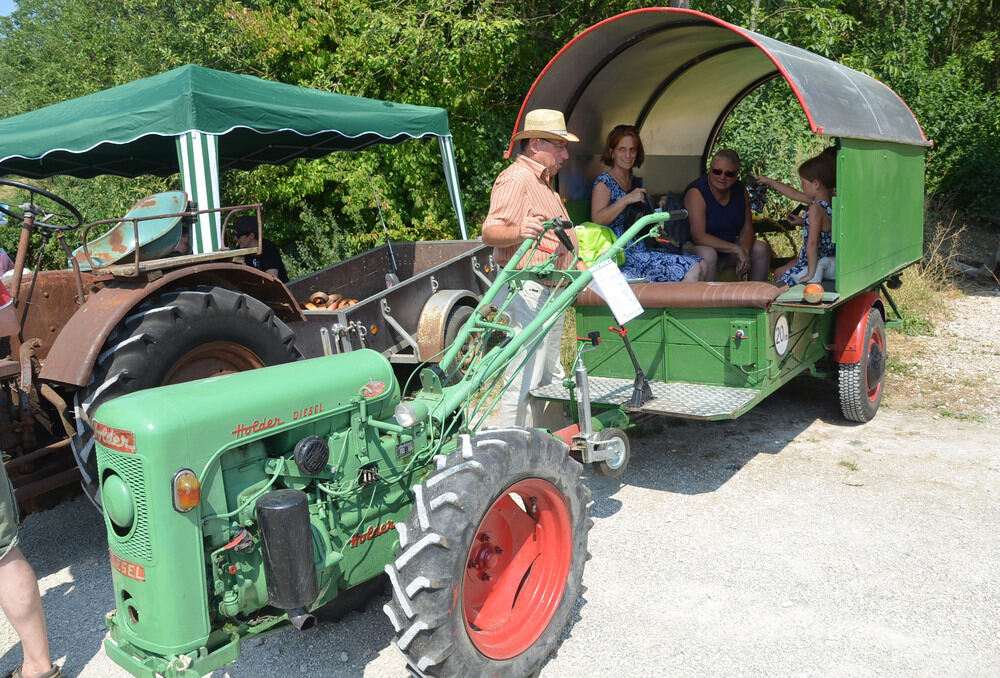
(435, 550)
(862, 383)
(613, 468)
(161, 333)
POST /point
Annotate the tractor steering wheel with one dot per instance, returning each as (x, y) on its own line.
(43, 217)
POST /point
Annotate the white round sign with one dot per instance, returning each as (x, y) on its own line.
(781, 334)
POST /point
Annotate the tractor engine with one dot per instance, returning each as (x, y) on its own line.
(271, 492)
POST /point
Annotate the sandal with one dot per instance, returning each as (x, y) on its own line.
(54, 672)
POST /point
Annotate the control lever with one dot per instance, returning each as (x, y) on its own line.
(559, 226)
(641, 390)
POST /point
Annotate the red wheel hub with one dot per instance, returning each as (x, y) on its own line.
(517, 569)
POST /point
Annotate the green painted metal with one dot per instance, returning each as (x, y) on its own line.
(190, 586)
(700, 346)
(878, 212)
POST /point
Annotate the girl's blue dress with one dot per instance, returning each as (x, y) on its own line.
(826, 249)
(639, 261)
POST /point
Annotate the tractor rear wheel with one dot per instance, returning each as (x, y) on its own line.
(862, 383)
(500, 529)
(175, 337)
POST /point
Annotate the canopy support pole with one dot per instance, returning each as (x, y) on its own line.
(451, 177)
(198, 156)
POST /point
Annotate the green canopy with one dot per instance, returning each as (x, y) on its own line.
(198, 121)
(132, 129)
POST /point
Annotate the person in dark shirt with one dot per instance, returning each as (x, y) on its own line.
(268, 259)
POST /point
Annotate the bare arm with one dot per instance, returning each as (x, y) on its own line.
(784, 189)
(507, 224)
(603, 211)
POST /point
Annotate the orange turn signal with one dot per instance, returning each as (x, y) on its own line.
(187, 490)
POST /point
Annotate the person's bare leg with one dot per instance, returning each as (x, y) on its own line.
(760, 260)
(22, 604)
(695, 273)
(710, 259)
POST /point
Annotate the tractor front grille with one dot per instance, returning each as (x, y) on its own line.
(135, 545)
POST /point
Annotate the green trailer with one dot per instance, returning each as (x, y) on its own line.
(714, 350)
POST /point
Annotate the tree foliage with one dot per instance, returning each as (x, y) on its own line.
(477, 59)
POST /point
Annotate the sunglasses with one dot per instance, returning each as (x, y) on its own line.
(729, 173)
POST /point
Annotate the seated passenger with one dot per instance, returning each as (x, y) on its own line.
(721, 227)
(269, 260)
(614, 191)
(816, 258)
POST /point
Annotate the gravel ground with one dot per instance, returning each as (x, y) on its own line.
(786, 543)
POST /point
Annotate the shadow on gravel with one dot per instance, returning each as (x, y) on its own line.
(694, 457)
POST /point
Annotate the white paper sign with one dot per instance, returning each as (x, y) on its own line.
(611, 285)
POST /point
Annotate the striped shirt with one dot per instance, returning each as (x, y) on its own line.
(522, 190)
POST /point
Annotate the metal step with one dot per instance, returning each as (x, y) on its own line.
(678, 399)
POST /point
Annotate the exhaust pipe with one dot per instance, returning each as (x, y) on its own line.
(289, 570)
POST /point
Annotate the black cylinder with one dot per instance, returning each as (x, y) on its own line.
(288, 549)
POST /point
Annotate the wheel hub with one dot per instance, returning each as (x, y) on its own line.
(517, 568)
(875, 368)
(484, 557)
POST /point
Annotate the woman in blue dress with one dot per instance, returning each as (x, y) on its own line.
(614, 191)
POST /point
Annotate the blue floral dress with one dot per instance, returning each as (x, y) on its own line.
(639, 261)
(826, 249)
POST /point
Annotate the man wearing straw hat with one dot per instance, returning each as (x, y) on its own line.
(522, 198)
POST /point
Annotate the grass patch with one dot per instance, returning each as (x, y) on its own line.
(897, 366)
(978, 418)
(849, 465)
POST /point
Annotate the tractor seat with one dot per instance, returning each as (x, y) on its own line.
(158, 235)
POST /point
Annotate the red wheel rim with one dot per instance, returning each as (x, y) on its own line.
(876, 366)
(517, 569)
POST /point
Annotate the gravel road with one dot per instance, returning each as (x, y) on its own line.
(785, 543)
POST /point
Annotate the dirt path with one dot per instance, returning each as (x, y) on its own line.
(786, 543)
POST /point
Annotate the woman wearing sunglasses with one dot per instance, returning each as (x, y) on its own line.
(721, 227)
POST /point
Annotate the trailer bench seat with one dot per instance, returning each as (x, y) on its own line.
(695, 295)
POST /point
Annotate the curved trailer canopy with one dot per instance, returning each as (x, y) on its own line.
(200, 121)
(677, 74)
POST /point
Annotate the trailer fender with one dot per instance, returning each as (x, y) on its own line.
(848, 343)
(71, 359)
(435, 319)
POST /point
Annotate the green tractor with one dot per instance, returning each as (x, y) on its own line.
(238, 505)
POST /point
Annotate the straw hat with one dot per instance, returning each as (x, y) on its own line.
(544, 123)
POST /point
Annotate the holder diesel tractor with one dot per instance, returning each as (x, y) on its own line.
(238, 505)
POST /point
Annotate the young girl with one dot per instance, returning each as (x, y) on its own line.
(816, 258)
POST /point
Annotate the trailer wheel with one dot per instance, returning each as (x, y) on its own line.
(491, 559)
(618, 440)
(862, 383)
(175, 337)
